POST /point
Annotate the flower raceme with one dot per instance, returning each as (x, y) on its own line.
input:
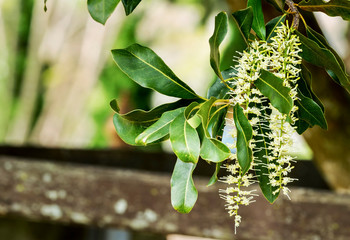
(279, 56)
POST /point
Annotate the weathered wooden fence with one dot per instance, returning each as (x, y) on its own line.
(130, 189)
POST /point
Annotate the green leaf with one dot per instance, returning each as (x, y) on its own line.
(159, 129)
(310, 112)
(146, 68)
(261, 151)
(272, 87)
(218, 89)
(183, 191)
(304, 85)
(220, 31)
(130, 5)
(244, 135)
(322, 57)
(331, 8)
(301, 125)
(278, 4)
(258, 18)
(100, 10)
(132, 124)
(322, 42)
(272, 25)
(244, 21)
(184, 139)
(212, 149)
(214, 178)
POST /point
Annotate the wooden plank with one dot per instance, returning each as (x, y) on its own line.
(140, 201)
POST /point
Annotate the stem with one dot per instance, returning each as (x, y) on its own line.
(295, 12)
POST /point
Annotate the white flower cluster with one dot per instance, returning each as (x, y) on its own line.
(281, 57)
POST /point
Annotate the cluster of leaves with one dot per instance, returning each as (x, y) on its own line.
(194, 124)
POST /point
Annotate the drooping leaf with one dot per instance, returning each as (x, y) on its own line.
(100, 10)
(244, 20)
(217, 121)
(304, 85)
(310, 112)
(130, 5)
(244, 135)
(159, 129)
(184, 139)
(261, 151)
(146, 68)
(214, 178)
(322, 42)
(272, 87)
(258, 18)
(331, 8)
(322, 57)
(220, 31)
(272, 25)
(132, 124)
(218, 89)
(183, 191)
(278, 4)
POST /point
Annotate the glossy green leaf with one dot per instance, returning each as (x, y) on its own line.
(214, 178)
(272, 87)
(159, 129)
(244, 21)
(100, 10)
(146, 68)
(310, 112)
(278, 4)
(260, 153)
(212, 149)
(244, 135)
(331, 8)
(132, 124)
(322, 57)
(301, 125)
(218, 89)
(272, 25)
(220, 31)
(258, 18)
(184, 139)
(183, 191)
(130, 5)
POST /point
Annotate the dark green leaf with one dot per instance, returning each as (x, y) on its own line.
(278, 4)
(272, 25)
(272, 87)
(159, 129)
(323, 57)
(218, 89)
(244, 20)
(304, 85)
(220, 31)
(184, 139)
(100, 10)
(146, 68)
(310, 112)
(244, 135)
(132, 124)
(261, 151)
(130, 5)
(183, 191)
(258, 18)
(214, 177)
(332, 8)
(300, 124)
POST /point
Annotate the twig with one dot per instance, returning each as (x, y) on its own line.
(295, 11)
